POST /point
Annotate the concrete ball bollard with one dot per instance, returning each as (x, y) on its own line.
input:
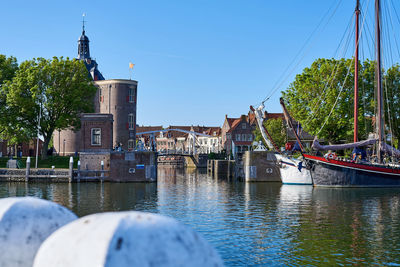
(25, 222)
(126, 239)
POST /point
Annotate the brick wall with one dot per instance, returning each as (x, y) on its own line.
(103, 122)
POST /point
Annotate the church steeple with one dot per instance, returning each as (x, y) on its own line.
(83, 43)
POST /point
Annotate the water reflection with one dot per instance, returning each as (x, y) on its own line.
(88, 198)
(252, 223)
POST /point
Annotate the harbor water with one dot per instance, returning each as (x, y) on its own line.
(252, 224)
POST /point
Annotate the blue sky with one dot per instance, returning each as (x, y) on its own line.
(195, 60)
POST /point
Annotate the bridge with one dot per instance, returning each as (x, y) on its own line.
(192, 137)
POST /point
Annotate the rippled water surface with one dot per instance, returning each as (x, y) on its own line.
(252, 224)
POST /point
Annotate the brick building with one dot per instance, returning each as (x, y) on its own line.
(96, 133)
(116, 97)
(237, 135)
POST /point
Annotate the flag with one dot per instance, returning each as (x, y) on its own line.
(131, 65)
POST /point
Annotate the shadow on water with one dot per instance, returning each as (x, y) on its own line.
(252, 223)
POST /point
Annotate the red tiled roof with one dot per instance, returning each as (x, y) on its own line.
(141, 129)
(274, 116)
(211, 130)
(230, 121)
(175, 134)
(237, 122)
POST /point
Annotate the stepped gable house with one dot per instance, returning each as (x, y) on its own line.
(116, 97)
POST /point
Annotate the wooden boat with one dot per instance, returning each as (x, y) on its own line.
(333, 172)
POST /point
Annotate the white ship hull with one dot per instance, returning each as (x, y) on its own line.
(291, 173)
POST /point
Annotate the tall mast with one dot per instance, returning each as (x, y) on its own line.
(379, 118)
(356, 73)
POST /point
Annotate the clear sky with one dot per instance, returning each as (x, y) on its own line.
(195, 60)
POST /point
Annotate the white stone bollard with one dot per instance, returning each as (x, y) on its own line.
(126, 239)
(25, 222)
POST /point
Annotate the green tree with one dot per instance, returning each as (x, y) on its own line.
(276, 129)
(314, 92)
(8, 67)
(392, 95)
(58, 89)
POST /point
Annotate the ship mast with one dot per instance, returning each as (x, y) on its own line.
(379, 114)
(356, 73)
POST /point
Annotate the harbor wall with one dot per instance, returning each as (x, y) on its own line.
(260, 166)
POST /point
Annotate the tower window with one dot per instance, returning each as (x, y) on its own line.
(100, 95)
(131, 94)
(96, 137)
(131, 121)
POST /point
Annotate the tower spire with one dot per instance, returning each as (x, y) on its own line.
(83, 23)
(83, 42)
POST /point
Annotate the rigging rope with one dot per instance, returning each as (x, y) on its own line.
(352, 61)
(282, 79)
(337, 98)
(333, 75)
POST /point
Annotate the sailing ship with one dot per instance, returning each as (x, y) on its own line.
(333, 172)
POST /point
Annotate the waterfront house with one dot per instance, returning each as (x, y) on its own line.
(237, 135)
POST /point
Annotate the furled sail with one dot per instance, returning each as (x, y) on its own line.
(317, 146)
(390, 150)
(259, 118)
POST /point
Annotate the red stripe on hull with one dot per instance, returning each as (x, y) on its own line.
(359, 166)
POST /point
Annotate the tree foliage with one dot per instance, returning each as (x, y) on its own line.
(314, 92)
(59, 89)
(8, 67)
(276, 129)
(392, 103)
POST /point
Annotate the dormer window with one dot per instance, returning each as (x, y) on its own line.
(243, 125)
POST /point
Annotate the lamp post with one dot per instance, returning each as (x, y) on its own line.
(64, 147)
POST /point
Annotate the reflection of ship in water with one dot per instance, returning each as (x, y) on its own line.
(296, 195)
(347, 226)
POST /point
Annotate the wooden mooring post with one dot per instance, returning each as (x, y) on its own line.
(71, 170)
(79, 171)
(102, 171)
(28, 169)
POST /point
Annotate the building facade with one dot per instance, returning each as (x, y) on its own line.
(116, 97)
(96, 132)
(237, 135)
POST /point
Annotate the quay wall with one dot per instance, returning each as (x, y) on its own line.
(260, 166)
(35, 175)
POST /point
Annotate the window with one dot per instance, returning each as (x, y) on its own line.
(244, 137)
(237, 137)
(96, 137)
(131, 144)
(100, 95)
(131, 94)
(131, 121)
(250, 137)
(243, 125)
